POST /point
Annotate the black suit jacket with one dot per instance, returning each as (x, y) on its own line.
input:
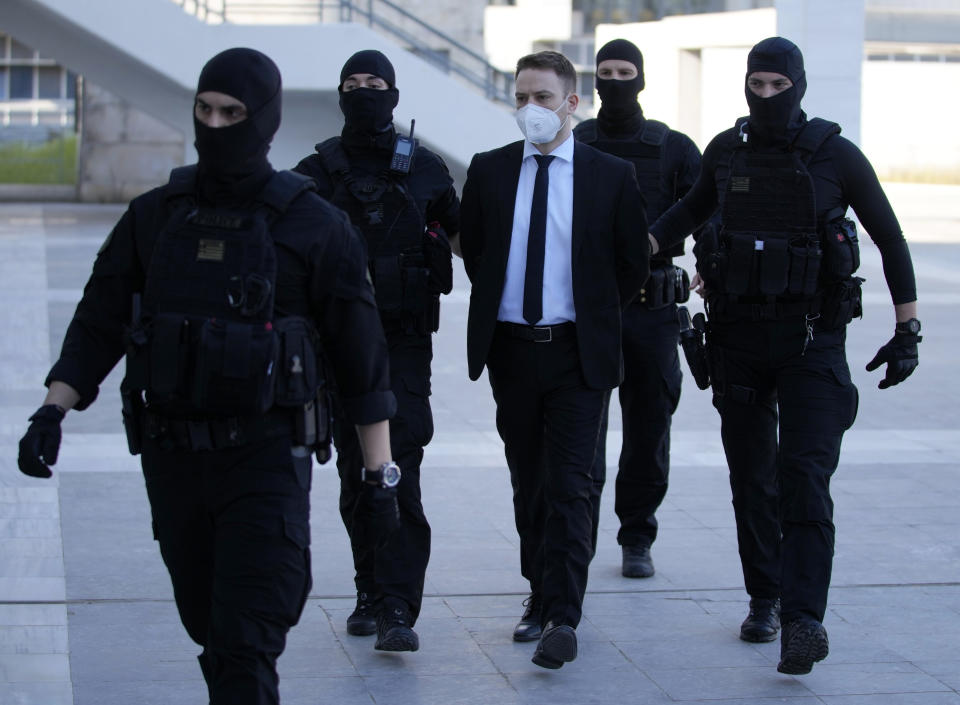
(610, 251)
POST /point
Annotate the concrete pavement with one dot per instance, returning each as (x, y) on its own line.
(86, 612)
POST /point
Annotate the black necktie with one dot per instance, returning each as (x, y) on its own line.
(536, 244)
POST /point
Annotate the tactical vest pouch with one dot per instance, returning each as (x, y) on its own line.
(234, 369)
(805, 256)
(841, 250)
(681, 284)
(298, 369)
(739, 263)
(387, 285)
(417, 299)
(706, 250)
(651, 295)
(842, 302)
(168, 360)
(774, 266)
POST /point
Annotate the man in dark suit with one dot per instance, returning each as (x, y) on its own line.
(553, 241)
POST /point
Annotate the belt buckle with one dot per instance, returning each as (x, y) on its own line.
(549, 338)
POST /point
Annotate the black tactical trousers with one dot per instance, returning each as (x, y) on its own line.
(649, 395)
(783, 412)
(234, 532)
(396, 569)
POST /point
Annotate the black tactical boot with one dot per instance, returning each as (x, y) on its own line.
(637, 562)
(557, 646)
(528, 628)
(803, 642)
(763, 622)
(395, 627)
(362, 621)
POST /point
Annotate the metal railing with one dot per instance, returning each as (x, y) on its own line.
(389, 18)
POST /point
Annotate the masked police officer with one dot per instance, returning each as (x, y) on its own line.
(222, 287)
(667, 163)
(402, 199)
(779, 286)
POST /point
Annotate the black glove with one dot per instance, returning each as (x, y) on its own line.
(376, 515)
(900, 354)
(41, 443)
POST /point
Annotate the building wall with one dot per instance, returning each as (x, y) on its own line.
(901, 113)
(910, 120)
(123, 151)
(510, 31)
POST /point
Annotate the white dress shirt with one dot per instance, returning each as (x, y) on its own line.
(558, 255)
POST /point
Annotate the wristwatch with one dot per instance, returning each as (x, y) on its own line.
(911, 327)
(387, 475)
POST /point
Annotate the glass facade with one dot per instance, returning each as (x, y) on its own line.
(34, 91)
(596, 12)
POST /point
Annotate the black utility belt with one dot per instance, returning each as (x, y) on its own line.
(174, 433)
(667, 284)
(835, 305)
(538, 334)
(728, 308)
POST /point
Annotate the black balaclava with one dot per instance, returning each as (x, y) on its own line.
(368, 112)
(233, 162)
(777, 119)
(619, 110)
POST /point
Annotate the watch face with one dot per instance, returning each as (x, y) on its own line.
(911, 326)
(390, 475)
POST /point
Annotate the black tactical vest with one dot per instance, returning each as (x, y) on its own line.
(204, 341)
(384, 210)
(770, 244)
(645, 150)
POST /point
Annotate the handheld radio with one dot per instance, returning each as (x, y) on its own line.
(403, 152)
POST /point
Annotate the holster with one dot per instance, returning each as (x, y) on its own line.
(438, 259)
(132, 410)
(692, 335)
(405, 292)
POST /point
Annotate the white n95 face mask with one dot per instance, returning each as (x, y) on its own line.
(538, 124)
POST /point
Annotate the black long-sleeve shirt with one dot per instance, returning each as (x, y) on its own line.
(321, 275)
(842, 177)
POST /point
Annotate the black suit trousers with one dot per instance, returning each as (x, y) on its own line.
(549, 421)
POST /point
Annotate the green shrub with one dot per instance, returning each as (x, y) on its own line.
(51, 162)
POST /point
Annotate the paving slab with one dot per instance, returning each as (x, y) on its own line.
(86, 610)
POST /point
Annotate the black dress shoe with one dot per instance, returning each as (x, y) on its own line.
(362, 621)
(557, 646)
(803, 642)
(395, 627)
(763, 622)
(637, 562)
(528, 628)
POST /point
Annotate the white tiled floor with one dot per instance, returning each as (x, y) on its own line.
(85, 609)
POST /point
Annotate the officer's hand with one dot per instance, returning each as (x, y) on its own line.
(41, 443)
(376, 515)
(697, 285)
(900, 354)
